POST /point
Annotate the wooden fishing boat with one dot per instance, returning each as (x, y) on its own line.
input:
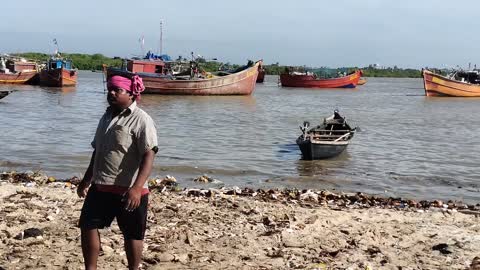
(457, 84)
(17, 71)
(58, 72)
(192, 82)
(327, 140)
(308, 80)
(261, 75)
(362, 81)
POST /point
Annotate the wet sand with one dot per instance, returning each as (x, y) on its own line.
(243, 229)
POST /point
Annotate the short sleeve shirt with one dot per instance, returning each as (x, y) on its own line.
(120, 143)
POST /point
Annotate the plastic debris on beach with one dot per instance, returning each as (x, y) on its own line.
(207, 179)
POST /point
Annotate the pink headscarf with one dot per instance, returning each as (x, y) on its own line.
(134, 85)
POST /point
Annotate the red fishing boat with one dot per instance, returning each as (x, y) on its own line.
(158, 78)
(310, 80)
(17, 71)
(58, 72)
(457, 84)
(261, 75)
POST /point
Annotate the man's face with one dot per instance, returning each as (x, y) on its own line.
(118, 97)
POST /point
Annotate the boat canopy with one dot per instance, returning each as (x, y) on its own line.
(327, 73)
(163, 57)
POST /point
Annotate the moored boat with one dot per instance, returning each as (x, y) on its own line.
(310, 80)
(458, 84)
(58, 72)
(261, 75)
(158, 80)
(326, 140)
(17, 71)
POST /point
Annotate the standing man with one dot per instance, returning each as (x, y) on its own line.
(125, 144)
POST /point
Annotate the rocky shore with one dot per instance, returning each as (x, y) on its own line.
(233, 228)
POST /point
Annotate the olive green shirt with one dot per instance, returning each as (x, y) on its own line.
(120, 143)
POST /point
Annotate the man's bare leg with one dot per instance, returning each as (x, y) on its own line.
(90, 247)
(134, 249)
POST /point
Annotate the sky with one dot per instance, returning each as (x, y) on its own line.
(334, 33)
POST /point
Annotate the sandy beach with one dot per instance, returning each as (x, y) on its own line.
(243, 229)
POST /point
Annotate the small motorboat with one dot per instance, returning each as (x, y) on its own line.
(5, 93)
(327, 140)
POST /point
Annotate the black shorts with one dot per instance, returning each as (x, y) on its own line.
(100, 208)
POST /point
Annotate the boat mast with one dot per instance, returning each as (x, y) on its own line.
(161, 37)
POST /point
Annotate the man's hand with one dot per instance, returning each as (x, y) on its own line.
(83, 188)
(133, 197)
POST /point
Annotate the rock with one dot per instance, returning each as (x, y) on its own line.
(190, 239)
(292, 242)
(443, 248)
(275, 253)
(475, 265)
(267, 221)
(164, 257)
(182, 258)
(107, 250)
(30, 232)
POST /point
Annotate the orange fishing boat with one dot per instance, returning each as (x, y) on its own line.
(310, 80)
(158, 80)
(58, 72)
(17, 71)
(457, 84)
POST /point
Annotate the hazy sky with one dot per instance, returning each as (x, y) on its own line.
(406, 33)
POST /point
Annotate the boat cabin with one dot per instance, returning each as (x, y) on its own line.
(469, 76)
(14, 66)
(146, 66)
(59, 63)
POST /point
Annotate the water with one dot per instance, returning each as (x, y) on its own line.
(410, 145)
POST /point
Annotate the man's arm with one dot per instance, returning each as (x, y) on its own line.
(135, 192)
(87, 178)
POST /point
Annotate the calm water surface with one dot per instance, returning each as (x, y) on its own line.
(410, 145)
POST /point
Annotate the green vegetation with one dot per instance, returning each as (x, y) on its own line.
(95, 62)
(391, 72)
(80, 61)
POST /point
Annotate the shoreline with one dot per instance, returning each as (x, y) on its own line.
(233, 228)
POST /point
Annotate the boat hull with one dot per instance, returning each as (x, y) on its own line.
(437, 85)
(309, 81)
(312, 151)
(18, 78)
(58, 77)
(241, 83)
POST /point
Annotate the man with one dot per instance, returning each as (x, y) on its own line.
(125, 144)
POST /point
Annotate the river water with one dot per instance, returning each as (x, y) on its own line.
(409, 145)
